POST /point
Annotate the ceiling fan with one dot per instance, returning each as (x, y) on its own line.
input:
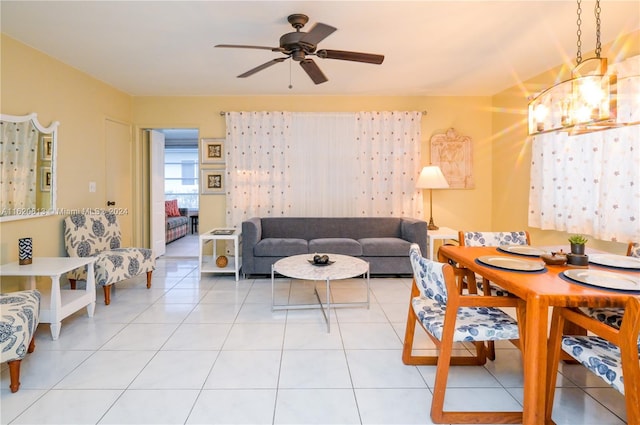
(299, 44)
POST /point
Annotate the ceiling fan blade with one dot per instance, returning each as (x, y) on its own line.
(313, 71)
(261, 67)
(242, 46)
(350, 56)
(318, 33)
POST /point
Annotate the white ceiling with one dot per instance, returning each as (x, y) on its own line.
(165, 48)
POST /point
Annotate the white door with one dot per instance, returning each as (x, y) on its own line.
(119, 176)
(156, 183)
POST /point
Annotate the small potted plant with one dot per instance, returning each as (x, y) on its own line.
(577, 244)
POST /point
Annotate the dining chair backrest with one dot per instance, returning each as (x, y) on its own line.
(610, 353)
(612, 316)
(428, 275)
(493, 238)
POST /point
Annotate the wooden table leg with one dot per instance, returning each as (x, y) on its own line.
(535, 360)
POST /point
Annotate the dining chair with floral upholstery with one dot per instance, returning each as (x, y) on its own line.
(449, 317)
(98, 235)
(611, 315)
(473, 282)
(608, 352)
(491, 239)
(19, 318)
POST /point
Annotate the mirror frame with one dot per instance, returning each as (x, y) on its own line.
(52, 129)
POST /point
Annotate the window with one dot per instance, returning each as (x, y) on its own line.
(181, 175)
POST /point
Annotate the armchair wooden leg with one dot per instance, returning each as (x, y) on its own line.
(149, 279)
(107, 294)
(72, 283)
(32, 345)
(14, 373)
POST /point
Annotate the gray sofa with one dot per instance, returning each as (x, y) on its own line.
(382, 241)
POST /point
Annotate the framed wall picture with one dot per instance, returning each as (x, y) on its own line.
(45, 179)
(212, 181)
(212, 151)
(453, 153)
(46, 148)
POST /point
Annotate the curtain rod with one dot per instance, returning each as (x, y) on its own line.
(223, 113)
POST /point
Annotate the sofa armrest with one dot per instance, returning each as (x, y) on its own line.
(251, 235)
(414, 231)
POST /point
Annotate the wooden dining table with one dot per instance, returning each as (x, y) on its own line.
(540, 290)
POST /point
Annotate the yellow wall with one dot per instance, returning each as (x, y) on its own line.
(511, 151)
(468, 115)
(34, 82)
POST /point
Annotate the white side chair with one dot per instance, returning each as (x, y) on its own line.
(19, 318)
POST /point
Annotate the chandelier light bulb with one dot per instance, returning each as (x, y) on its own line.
(591, 92)
(582, 113)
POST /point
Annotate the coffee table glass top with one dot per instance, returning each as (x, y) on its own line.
(299, 267)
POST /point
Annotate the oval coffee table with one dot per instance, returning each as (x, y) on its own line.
(299, 267)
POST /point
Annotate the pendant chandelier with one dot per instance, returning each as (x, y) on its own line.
(584, 103)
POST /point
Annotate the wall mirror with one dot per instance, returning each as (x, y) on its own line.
(27, 167)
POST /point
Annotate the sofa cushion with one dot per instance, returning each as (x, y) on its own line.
(280, 247)
(86, 235)
(342, 246)
(114, 265)
(173, 222)
(171, 208)
(384, 247)
(310, 228)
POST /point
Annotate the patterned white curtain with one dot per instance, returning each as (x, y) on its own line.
(587, 183)
(258, 174)
(19, 146)
(388, 164)
(322, 164)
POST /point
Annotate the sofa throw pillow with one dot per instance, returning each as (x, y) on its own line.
(171, 208)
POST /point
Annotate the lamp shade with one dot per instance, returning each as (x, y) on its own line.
(431, 177)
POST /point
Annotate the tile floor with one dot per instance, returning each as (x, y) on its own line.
(186, 246)
(205, 350)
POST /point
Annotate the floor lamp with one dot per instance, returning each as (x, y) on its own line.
(431, 177)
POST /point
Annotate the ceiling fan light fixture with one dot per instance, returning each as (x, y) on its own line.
(298, 55)
(298, 45)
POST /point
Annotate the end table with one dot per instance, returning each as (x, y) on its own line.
(443, 233)
(208, 264)
(57, 304)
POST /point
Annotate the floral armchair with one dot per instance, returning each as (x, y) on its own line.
(19, 317)
(98, 235)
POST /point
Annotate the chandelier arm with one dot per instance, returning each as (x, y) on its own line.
(598, 44)
(579, 33)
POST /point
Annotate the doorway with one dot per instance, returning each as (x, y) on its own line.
(176, 177)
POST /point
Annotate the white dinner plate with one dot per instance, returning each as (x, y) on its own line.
(531, 251)
(613, 260)
(511, 263)
(604, 279)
